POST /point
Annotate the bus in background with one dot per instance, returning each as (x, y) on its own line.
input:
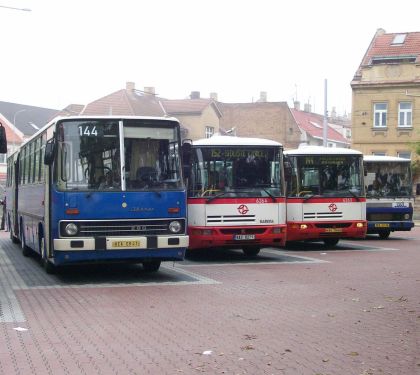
(98, 189)
(325, 194)
(236, 194)
(389, 196)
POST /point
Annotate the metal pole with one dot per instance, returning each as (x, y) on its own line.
(325, 129)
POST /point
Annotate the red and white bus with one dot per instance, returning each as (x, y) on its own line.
(236, 196)
(325, 194)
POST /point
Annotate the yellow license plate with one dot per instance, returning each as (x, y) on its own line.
(126, 243)
(333, 230)
(381, 225)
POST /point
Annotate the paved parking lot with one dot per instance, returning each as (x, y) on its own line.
(352, 310)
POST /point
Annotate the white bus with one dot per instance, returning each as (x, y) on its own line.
(236, 195)
(389, 194)
(325, 194)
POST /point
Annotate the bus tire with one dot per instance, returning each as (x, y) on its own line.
(331, 242)
(12, 236)
(26, 251)
(46, 264)
(151, 265)
(384, 234)
(251, 251)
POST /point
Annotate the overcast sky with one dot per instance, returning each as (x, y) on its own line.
(76, 51)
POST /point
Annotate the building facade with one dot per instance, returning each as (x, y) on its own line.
(386, 96)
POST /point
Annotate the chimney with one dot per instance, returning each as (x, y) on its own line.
(379, 32)
(307, 107)
(131, 86)
(195, 95)
(213, 95)
(263, 97)
(334, 113)
(149, 90)
(296, 105)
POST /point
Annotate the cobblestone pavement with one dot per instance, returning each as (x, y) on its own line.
(351, 310)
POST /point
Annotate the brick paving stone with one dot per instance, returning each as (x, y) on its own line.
(358, 313)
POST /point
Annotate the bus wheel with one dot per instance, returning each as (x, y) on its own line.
(12, 237)
(251, 251)
(151, 265)
(384, 234)
(46, 264)
(26, 251)
(330, 242)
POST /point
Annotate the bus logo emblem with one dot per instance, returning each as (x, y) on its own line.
(243, 209)
(332, 207)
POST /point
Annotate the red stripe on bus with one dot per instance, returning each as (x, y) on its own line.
(222, 200)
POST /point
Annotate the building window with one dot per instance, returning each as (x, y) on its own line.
(379, 153)
(405, 114)
(209, 131)
(331, 144)
(379, 111)
(404, 154)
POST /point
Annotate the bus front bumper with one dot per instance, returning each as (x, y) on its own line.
(237, 237)
(380, 226)
(302, 231)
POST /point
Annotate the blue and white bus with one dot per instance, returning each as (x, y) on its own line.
(390, 200)
(97, 189)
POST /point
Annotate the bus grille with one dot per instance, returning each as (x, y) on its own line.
(322, 215)
(218, 219)
(386, 217)
(121, 228)
(332, 225)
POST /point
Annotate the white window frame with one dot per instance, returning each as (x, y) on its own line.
(380, 115)
(404, 154)
(406, 115)
(209, 131)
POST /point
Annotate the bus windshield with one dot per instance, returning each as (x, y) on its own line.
(245, 171)
(90, 158)
(388, 179)
(325, 175)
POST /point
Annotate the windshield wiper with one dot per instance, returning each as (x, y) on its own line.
(208, 200)
(353, 194)
(309, 197)
(269, 194)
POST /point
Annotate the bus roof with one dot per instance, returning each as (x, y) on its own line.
(227, 140)
(383, 159)
(321, 150)
(93, 117)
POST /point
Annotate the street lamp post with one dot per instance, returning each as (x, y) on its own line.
(13, 8)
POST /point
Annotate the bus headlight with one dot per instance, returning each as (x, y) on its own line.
(71, 229)
(406, 216)
(175, 226)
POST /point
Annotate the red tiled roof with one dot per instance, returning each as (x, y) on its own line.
(381, 46)
(125, 102)
(313, 124)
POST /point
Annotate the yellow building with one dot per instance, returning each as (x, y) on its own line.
(386, 96)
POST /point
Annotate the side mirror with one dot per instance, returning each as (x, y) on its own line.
(186, 157)
(50, 149)
(3, 140)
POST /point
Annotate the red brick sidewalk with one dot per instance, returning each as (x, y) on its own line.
(359, 313)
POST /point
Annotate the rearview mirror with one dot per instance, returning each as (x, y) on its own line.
(50, 149)
(3, 140)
